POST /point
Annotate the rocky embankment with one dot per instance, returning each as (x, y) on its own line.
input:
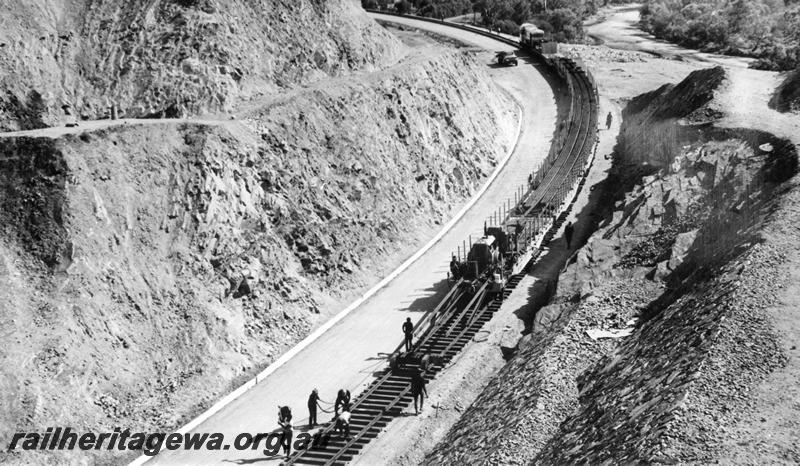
(172, 58)
(148, 269)
(660, 330)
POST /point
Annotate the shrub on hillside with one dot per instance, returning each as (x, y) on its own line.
(402, 7)
(442, 8)
(506, 26)
(567, 26)
(562, 20)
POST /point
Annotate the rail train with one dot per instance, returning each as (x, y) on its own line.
(531, 37)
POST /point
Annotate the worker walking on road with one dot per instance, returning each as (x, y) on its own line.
(608, 121)
(418, 390)
(408, 331)
(568, 231)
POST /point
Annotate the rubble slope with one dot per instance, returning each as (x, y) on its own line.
(688, 259)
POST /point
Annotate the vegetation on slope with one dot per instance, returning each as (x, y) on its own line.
(766, 29)
(560, 19)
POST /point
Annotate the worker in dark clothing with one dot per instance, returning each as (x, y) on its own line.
(285, 422)
(608, 121)
(313, 403)
(408, 331)
(568, 231)
(418, 390)
(342, 400)
(455, 270)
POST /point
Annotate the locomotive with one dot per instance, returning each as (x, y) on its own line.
(488, 256)
(531, 37)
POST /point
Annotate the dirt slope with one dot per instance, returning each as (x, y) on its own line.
(172, 57)
(691, 257)
(147, 269)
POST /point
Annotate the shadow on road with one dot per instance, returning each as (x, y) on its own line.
(428, 298)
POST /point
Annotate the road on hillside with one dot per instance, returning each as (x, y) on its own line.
(354, 348)
(618, 28)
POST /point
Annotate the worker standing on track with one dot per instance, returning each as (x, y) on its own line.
(418, 390)
(342, 400)
(455, 269)
(408, 331)
(343, 421)
(496, 285)
(313, 403)
(285, 422)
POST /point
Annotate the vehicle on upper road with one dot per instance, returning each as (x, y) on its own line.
(506, 59)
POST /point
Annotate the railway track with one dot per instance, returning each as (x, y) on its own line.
(462, 313)
(389, 394)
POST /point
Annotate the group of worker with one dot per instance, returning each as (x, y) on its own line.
(342, 419)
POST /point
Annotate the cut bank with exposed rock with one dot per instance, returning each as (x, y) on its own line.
(148, 269)
(690, 256)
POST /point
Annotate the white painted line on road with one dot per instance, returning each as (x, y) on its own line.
(226, 400)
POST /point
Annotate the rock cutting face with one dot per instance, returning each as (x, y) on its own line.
(172, 58)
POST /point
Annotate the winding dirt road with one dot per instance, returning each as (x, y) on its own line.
(347, 354)
(744, 99)
(618, 28)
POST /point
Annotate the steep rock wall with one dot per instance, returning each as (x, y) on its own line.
(148, 269)
(172, 57)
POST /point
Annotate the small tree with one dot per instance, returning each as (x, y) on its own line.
(402, 7)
